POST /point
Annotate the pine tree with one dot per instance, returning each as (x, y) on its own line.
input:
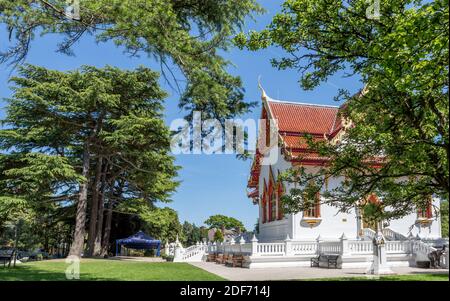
(102, 132)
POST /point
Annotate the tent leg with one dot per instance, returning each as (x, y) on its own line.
(158, 251)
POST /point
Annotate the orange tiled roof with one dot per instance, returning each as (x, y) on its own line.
(294, 121)
(304, 118)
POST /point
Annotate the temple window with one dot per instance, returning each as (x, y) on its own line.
(427, 211)
(314, 208)
(280, 193)
(273, 205)
(263, 204)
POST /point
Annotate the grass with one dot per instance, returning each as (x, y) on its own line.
(102, 269)
(410, 277)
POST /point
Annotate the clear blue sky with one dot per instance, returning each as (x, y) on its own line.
(214, 184)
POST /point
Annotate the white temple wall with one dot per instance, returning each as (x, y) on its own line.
(332, 225)
(410, 225)
(279, 229)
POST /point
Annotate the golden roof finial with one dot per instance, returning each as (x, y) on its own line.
(263, 92)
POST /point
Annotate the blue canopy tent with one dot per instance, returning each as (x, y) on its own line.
(139, 241)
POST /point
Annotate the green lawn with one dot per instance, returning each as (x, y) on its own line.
(411, 277)
(100, 269)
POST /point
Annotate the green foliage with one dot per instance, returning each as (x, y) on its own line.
(161, 223)
(219, 221)
(444, 218)
(218, 236)
(193, 234)
(399, 120)
(54, 118)
(182, 36)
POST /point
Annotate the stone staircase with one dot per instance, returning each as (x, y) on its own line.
(388, 233)
(193, 253)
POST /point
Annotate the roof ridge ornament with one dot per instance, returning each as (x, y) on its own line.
(260, 87)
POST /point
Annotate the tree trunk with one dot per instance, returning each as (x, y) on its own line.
(93, 221)
(80, 218)
(105, 241)
(99, 230)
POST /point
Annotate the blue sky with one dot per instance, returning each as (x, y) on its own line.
(211, 184)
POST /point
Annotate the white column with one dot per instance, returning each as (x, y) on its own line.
(318, 240)
(288, 246)
(241, 243)
(166, 249)
(344, 245)
(254, 246)
(411, 243)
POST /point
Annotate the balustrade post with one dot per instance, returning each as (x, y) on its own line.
(344, 245)
(288, 246)
(254, 246)
(241, 243)
(411, 243)
(318, 240)
(166, 249)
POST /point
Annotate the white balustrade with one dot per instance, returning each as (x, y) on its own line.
(421, 247)
(397, 247)
(369, 233)
(392, 235)
(330, 247)
(246, 248)
(304, 247)
(271, 248)
(289, 247)
(360, 247)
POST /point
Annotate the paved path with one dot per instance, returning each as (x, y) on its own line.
(239, 274)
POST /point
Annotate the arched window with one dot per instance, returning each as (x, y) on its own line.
(263, 204)
(272, 197)
(314, 207)
(427, 210)
(280, 194)
(273, 204)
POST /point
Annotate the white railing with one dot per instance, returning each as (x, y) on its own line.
(369, 233)
(246, 248)
(360, 247)
(421, 247)
(194, 251)
(271, 248)
(392, 235)
(343, 246)
(303, 248)
(402, 246)
(435, 241)
(333, 247)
